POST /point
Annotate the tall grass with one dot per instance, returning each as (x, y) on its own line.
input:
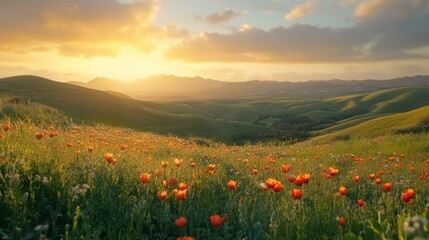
(49, 189)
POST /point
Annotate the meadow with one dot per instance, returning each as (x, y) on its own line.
(60, 180)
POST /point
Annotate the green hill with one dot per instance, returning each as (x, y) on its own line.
(93, 105)
(408, 122)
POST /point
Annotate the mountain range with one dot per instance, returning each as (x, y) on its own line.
(173, 88)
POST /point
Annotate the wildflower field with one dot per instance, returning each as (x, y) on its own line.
(96, 182)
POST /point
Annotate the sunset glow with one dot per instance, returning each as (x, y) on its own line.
(227, 40)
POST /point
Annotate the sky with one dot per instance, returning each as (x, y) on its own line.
(231, 40)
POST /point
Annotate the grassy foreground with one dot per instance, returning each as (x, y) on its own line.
(73, 182)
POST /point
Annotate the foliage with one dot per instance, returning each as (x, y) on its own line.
(65, 185)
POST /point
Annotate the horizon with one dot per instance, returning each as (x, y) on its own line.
(238, 41)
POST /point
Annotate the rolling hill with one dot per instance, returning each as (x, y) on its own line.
(172, 88)
(229, 120)
(413, 121)
(93, 105)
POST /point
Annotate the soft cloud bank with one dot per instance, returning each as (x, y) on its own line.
(222, 16)
(385, 30)
(77, 27)
(299, 11)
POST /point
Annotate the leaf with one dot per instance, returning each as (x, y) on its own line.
(401, 233)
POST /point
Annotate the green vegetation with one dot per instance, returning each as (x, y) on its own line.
(57, 187)
(64, 178)
(413, 121)
(234, 121)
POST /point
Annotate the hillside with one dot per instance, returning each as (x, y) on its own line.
(408, 122)
(229, 120)
(94, 105)
(168, 87)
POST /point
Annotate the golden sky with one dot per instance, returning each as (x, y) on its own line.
(234, 40)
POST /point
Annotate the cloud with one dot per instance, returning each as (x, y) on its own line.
(387, 8)
(299, 43)
(77, 27)
(299, 11)
(222, 16)
(385, 30)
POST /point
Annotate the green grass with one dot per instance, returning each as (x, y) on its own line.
(50, 190)
(381, 125)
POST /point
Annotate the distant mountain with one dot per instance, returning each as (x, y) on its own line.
(163, 87)
(172, 88)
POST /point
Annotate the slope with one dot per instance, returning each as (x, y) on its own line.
(412, 121)
(94, 105)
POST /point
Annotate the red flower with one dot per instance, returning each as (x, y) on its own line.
(286, 168)
(180, 222)
(39, 135)
(6, 127)
(342, 221)
(296, 193)
(216, 220)
(387, 187)
(343, 191)
(162, 195)
(181, 194)
(278, 187)
(361, 202)
(232, 185)
(144, 177)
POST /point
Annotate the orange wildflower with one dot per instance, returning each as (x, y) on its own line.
(278, 187)
(162, 195)
(178, 162)
(306, 178)
(6, 127)
(333, 171)
(232, 185)
(183, 186)
(180, 222)
(181, 194)
(39, 135)
(144, 177)
(361, 202)
(271, 182)
(164, 164)
(296, 193)
(216, 220)
(286, 168)
(342, 221)
(211, 167)
(299, 180)
(387, 187)
(343, 191)
(356, 179)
